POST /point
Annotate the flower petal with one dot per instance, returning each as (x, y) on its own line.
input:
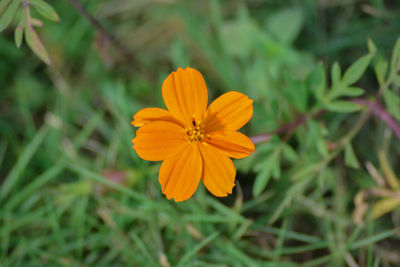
(180, 174)
(231, 110)
(218, 171)
(185, 95)
(233, 144)
(159, 140)
(147, 115)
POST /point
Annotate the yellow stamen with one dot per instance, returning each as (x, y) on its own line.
(195, 133)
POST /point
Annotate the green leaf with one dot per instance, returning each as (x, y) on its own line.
(342, 106)
(396, 80)
(36, 22)
(3, 5)
(322, 148)
(289, 153)
(356, 70)
(350, 158)
(238, 35)
(9, 14)
(307, 170)
(381, 70)
(345, 91)
(392, 102)
(316, 81)
(261, 181)
(295, 92)
(286, 24)
(18, 34)
(276, 168)
(268, 169)
(19, 31)
(371, 46)
(45, 10)
(335, 73)
(352, 91)
(394, 62)
(36, 45)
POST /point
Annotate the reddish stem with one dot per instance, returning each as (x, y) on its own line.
(290, 127)
(381, 113)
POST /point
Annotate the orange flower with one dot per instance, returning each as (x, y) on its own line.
(194, 142)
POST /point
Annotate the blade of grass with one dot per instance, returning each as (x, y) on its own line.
(87, 130)
(37, 183)
(305, 248)
(16, 172)
(75, 167)
(228, 212)
(319, 261)
(281, 240)
(54, 224)
(192, 252)
(372, 239)
(231, 250)
(289, 234)
(142, 246)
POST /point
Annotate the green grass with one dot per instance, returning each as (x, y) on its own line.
(66, 134)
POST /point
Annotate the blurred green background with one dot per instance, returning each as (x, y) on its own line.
(74, 192)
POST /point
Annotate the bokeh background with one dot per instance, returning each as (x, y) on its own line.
(74, 193)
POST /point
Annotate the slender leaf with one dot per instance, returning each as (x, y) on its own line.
(3, 5)
(342, 106)
(9, 14)
(317, 81)
(289, 153)
(345, 91)
(396, 80)
(18, 34)
(286, 24)
(392, 102)
(36, 22)
(45, 10)
(322, 147)
(350, 158)
(371, 46)
(19, 31)
(36, 45)
(381, 70)
(356, 70)
(267, 171)
(394, 61)
(335, 74)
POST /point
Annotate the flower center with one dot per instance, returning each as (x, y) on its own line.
(195, 133)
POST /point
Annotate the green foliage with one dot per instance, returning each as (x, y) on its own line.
(74, 193)
(269, 166)
(354, 72)
(10, 8)
(350, 158)
(285, 24)
(393, 103)
(8, 14)
(394, 61)
(45, 10)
